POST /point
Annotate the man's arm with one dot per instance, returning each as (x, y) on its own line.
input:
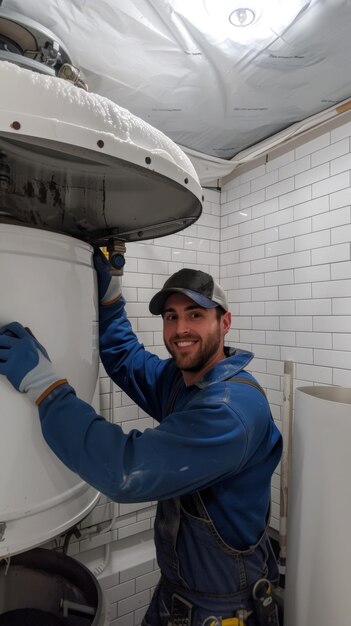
(138, 372)
(190, 450)
(208, 439)
(135, 370)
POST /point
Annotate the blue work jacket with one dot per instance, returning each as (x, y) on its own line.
(219, 438)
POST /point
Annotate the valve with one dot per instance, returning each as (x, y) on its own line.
(116, 249)
(71, 73)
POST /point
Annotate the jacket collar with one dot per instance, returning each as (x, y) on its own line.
(236, 361)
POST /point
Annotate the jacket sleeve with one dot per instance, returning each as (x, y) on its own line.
(189, 450)
(135, 370)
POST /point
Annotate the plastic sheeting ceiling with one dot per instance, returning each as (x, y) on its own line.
(210, 86)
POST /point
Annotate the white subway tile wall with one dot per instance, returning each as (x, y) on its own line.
(291, 253)
(278, 239)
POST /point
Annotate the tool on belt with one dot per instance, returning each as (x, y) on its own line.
(239, 620)
(265, 606)
(182, 612)
(265, 610)
(229, 621)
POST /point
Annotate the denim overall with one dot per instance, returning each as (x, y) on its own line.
(198, 567)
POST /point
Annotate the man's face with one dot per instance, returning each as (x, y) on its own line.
(193, 335)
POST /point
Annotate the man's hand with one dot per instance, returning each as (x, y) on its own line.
(25, 363)
(109, 286)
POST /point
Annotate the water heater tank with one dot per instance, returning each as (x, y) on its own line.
(47, 283)
(75, 170)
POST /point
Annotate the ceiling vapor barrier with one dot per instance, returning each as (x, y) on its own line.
(217, 78)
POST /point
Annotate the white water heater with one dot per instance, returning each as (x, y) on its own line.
(47, 284)
(75, 170)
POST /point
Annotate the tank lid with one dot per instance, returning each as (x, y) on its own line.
(77, 163)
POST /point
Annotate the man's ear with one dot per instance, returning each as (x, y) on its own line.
(226, 321)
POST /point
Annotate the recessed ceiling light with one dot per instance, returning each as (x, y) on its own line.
(242, 16)
(240, 21)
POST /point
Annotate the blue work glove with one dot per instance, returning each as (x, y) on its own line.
(26, 363)
(109, 286)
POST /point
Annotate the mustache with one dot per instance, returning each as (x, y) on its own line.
(184, 338)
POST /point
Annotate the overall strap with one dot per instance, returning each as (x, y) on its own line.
(193, 503)
(247, 381)
(235, 379)
(173, 395)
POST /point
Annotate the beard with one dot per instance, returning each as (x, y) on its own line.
(195, 362)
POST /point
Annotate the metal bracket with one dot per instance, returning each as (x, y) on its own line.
(2, 530)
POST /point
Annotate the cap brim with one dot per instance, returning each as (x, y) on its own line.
(157, 303)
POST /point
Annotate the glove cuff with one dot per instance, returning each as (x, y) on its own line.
(40, 380)
(46, 393)
(113, 292)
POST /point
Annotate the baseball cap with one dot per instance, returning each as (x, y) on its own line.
(195, 284)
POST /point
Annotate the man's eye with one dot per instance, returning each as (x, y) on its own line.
(195, 314)
(169, 317)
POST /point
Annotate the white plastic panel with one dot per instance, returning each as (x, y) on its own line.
(319, 553)
(47, 283)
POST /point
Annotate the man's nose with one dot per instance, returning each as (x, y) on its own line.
(182, 326)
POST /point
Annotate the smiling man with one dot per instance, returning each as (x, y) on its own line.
(194, 335)
(194, 325)
(209, 461)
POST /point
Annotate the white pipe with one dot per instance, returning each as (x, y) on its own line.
(285, 461)
(68, 606)
(97, 571)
